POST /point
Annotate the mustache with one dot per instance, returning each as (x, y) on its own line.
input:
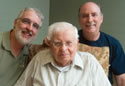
(90, 23)
(27, 32)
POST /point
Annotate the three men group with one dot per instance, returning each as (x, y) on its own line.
(62, 60)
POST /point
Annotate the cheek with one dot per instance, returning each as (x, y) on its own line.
(55, 52)
(82, 22)
(72, 51)
(20, 26)
(34, 31)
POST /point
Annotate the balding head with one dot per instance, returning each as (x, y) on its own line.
(90, 19)
(90, 5)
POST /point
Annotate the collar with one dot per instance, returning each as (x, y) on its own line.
(78, 61)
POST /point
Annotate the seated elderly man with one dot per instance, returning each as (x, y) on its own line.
(62, 64)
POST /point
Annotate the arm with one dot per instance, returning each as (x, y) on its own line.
(120, 80)
(98, 74)
(117, 63)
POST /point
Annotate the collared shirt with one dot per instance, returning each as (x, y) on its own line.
(11, 67)
(85, 71)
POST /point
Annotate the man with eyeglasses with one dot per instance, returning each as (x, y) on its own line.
(61, 64)
(14, 45)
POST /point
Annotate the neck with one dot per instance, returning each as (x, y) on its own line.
(91, 36)
(15, 45)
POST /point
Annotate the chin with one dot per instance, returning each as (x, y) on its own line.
(24, 41)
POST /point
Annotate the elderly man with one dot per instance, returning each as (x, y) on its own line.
(90, 19)
(14, 45)
(61, 64)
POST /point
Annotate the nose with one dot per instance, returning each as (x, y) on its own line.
(63, 47)
(30, 27)
(90, 19)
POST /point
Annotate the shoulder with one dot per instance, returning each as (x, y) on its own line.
(111, 40)
(109, 37)
(89, 61)
(87, 57)
(86, 54)
(2, 36)
(43, 53)
(43, 56)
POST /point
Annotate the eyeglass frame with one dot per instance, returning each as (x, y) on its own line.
(28, 22)
(58, 44)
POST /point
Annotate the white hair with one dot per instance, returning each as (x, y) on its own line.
(61, 26)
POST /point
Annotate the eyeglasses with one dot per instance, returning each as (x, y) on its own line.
(58, 44)
(28, 22)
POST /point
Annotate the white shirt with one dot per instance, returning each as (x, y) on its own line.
(84, 71)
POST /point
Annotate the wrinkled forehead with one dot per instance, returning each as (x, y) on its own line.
(32, 15)
(63, 35)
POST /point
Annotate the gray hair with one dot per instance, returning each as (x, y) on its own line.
(39, 14)
(61, 26)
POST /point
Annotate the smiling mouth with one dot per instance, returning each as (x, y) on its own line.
(90, 24)
(29, 33)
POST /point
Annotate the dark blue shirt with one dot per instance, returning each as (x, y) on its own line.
(117, 55)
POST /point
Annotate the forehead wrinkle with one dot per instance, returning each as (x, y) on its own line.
(90, 6)
(32, 16)
(63, 35)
